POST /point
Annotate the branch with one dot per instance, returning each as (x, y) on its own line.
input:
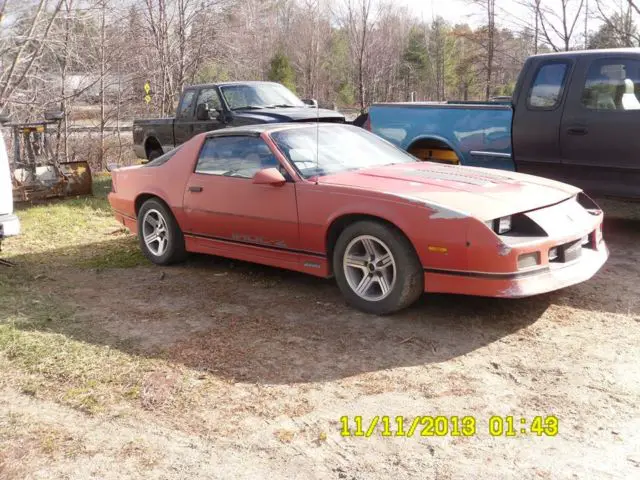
(38, 51)
(21, 49)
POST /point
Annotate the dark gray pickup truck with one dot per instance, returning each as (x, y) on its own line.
(203, 108)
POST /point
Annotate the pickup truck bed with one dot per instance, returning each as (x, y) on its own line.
(477, 134)
(574, 117)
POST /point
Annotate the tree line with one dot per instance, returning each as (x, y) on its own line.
(70, 54)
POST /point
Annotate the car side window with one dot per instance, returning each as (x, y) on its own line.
(186, 105)
(548, 86)
(612, 85)
(237, 156)
(210, 96)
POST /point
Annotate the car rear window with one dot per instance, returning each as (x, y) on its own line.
(548, 86)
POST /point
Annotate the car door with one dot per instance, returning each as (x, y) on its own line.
(185, 116)
(537, 117)
(222, 203)
(210, 97)
(599, 137)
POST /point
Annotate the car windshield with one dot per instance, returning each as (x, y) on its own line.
(330, 149)
(259, 95)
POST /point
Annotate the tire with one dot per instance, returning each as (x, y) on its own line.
(153, 154)
(402, 289)
(169, 247)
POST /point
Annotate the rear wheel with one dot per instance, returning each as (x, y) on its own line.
(160, 237)
(377, 268)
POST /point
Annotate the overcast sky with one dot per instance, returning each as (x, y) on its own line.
(509, 13)
(461, 11)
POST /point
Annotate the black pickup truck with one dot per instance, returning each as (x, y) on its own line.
(203, 108)
(574, 117)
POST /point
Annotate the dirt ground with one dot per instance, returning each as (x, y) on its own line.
(221, 369)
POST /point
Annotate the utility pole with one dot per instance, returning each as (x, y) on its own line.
(586, 23)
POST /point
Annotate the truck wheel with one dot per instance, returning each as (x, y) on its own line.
(376, 268)
(160, 237)
(153, 154)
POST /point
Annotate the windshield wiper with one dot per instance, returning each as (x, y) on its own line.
(249, 107)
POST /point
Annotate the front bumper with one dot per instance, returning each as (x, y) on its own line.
(524, 284)
(9, 226)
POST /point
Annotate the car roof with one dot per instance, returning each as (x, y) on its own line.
(260, 128)
(590, 53)
(225, 84)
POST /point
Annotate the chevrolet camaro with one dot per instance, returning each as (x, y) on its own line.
(338, 201)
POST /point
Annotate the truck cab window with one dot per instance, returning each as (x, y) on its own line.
(186, 105)
(209, 96)
(612, 85)
(548, 86)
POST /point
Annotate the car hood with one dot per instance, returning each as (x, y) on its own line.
(454, 191)
(289, 114)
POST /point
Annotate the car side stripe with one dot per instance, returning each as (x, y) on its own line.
(252, 244)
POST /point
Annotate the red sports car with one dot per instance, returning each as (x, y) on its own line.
(336, 200)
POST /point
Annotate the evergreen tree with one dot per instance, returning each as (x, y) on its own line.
(282, 72)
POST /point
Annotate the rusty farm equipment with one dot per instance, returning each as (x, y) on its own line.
(36, 173)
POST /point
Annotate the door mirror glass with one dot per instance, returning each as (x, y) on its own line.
(202, 112)
(312, 102)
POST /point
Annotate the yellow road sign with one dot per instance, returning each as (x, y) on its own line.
(147, 98)
(147, 88)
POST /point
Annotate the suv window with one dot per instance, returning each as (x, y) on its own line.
(210, 96)
(186, 105)
(239, 156)
(612, 85)
(548, 86)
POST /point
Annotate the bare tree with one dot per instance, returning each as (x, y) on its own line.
(486, 38)
(559, 27)
(620, 23)
(34, 44)
(359, 18)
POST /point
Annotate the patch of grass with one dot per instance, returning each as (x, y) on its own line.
(87, 377)
(84, 399)
(51, 364)
(284, 436)
(124, 253)
(77, 232)
(64, 223)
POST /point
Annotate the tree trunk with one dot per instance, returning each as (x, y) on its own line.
(102, 73)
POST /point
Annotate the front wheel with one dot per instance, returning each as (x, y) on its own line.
(161, 239)
(376, 268)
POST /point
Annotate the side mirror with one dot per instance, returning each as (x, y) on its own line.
(202, 112)
(312, 102)
(269, 176)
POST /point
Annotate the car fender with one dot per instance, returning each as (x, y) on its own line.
(439, 234)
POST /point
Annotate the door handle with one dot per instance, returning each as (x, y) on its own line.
(195, 189)
(577, 131)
